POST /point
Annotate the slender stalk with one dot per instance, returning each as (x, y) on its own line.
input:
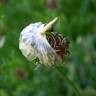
(68, 81)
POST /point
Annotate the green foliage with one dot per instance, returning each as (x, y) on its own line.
(77, 21)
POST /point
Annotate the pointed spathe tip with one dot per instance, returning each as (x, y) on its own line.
(49, 25)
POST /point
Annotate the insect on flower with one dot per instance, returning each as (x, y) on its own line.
(36, 41)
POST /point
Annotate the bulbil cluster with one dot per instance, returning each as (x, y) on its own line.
(36, 41)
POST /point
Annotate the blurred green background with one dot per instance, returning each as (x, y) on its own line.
(77, 21)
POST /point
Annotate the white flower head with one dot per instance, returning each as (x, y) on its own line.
(34, 44)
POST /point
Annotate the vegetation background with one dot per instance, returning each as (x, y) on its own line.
(77, 21)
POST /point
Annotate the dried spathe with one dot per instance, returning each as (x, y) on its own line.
(35, 43)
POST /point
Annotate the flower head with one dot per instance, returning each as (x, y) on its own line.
(34, 43)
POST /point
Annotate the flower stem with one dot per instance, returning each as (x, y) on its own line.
(68, 81)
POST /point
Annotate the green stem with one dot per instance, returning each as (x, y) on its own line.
(68, 81)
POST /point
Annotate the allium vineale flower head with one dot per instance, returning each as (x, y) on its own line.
(37, 42)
